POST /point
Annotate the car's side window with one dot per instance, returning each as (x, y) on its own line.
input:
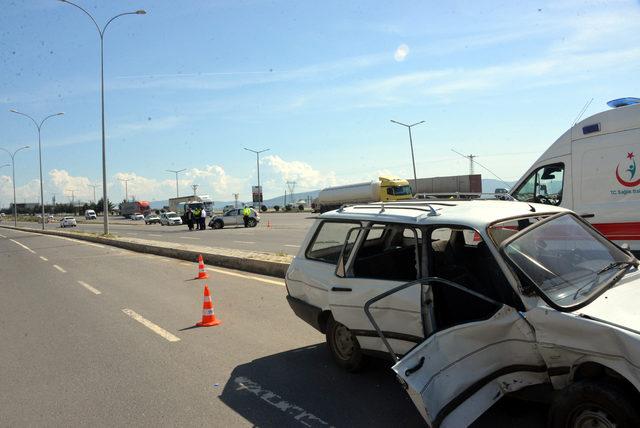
(389, 252)
(459, 254)
(329, 240)
(543, 186)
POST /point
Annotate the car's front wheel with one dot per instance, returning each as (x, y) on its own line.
(252, 222)
(588, 404)
(344, 346)
(218, 224)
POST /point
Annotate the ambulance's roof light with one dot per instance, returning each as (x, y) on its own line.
(621, 102)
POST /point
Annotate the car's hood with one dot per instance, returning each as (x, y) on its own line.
(619, 305)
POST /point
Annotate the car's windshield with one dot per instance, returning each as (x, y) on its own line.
(402, 190)
(567, 261)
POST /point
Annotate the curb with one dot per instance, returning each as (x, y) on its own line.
(260, 263)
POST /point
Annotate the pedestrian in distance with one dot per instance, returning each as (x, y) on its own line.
(246, 213)
(189, 216)
(203, 220)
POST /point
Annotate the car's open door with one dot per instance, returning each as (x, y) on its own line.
(467, 365)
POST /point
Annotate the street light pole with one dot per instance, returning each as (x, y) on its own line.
(126, 187)
(415, 176)
(257, 152)
(105, 201)
(13, 180)
(176, 172)
(39, 127)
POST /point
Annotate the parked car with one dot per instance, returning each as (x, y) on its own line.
(68, 222)
(234, 217)
(477, 299)
(137, 217)
(152, 219)
(170, 218)
(90, 215)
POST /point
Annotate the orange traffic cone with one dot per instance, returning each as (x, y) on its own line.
(202, 274)
(208, 317)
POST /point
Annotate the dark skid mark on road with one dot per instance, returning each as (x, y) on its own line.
(302, 387)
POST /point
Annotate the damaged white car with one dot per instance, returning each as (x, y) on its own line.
(478, 299)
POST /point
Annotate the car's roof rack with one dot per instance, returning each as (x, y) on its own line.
(464, 195)
(417, 206)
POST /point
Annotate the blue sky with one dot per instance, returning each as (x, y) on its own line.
(191, 83)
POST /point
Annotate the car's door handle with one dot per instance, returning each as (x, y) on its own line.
(411, 370)
(340, 289)
(587, 215)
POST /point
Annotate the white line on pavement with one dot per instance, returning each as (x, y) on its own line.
(244, 242)
(290, 409)
(77, 241)
(44, 258)
(90, 288)
(188, 237)
(154, 235)
(23, 246)
(294, 246)
(153, 327)
(59, 268)
(241, 275)
(2, 236)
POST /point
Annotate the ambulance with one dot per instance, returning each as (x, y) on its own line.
(592, 169)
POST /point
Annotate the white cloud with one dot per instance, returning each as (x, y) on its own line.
(401, 53)
(305, 175)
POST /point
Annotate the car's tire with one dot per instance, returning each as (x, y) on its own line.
(344, 346)
(252, 222)
(218, 224)
(593, 403)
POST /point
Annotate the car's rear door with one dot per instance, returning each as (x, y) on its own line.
(461, 370)
(385, 257)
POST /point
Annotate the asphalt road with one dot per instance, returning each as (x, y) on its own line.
(286, 232)
(129, 355)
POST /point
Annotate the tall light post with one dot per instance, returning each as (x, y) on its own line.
(13, 180)
(105, 201)
(126, 187)
(415, 176)
(176, 172)
(257, 152)
(94, 191)
(39, 127)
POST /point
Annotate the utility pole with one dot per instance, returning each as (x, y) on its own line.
(471, 157)
(292, 187)
(126, 187)
(94, 191)
(176, 172)
(285, 198)
(235, 196)
(195, 188)
(413, 160)
(73, 199)
(257, 152)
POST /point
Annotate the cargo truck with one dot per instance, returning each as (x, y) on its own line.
(127, 209)
(382, 190)
(592, 170)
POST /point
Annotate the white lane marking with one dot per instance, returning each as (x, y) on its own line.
(23, 246)
(151, 326)
(296, 412)
(59, 268)
(2, 236)
(131, 233)
(241, 275)
(244, 242)
(150, 234)
(294, 246)
(186, 264)
(77, 241)
(188, 237)
(90, 288)
(44, 258)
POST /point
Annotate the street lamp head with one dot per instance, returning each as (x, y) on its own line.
(141, 12)
(26, 147)
(59, 114)
(14, 111)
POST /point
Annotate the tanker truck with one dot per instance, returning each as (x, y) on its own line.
(382, 190)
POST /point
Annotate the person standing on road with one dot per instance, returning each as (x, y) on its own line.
(246, 213)
(196, 216)
(189, 216)
(203, 219)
